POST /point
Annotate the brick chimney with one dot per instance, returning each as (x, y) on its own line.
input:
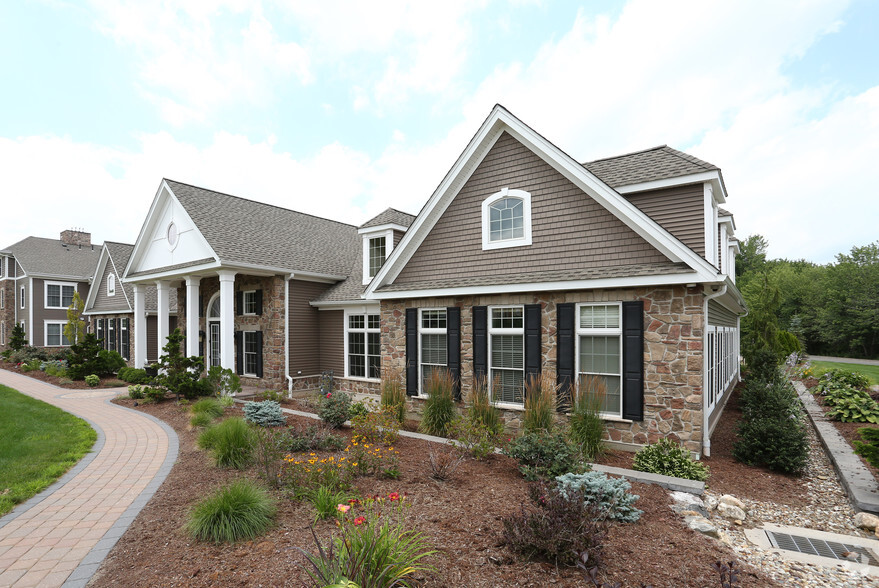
(76, 237)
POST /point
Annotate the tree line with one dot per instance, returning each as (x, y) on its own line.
(830, 309)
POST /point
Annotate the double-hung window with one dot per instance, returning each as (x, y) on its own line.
(377, 255)
(364, 346)
(506, 332)
(249, 302)
(251, 349)
(21, 297)
(124, 338)
(599, 354)
(59, 295)
(3, 299)
(434, 344)
(99, 331)
(55, 336)
(111, 334)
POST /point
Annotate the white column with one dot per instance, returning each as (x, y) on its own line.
(192, 315)
(227, 319)
(163, 307)
(140, 328)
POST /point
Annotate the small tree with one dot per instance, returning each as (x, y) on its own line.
(85, 358)
(178, 373)
(74, 330)
(18, 338)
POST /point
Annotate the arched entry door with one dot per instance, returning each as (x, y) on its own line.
(213, 319)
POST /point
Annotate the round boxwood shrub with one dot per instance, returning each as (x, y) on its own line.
(544, 455)
(670, 459)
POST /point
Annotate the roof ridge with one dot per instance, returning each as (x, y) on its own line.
(690, 158)
(400, 211)
(260, 203)
(628, 154)
(119, 243)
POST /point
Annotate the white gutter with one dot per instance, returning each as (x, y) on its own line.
(706, 442)
(287, 334)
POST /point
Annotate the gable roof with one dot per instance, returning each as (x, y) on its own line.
(649, 165)
(499, 121)
(390, 216)
(38, 256)
(120, 253)
(117, 256)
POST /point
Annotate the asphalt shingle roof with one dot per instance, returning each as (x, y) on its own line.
(50, 257)
(658, 163)
(620, 271)
(390, 216)
(249, 232)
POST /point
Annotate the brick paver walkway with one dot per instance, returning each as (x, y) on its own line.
(61, 536)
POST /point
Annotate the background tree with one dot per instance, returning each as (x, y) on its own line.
(760, 327)
(74, 330)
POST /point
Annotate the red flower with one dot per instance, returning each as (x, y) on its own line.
(329, 394)
(361, 520)
(354, 502)
(393, 496)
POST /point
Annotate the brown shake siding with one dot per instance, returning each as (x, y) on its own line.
(567, 225)
(110, 303)
(332, 341)
(305, 350)
(679, 210)
(152, 338)
(720, 316)
(398, 236)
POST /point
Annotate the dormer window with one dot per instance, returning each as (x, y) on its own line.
(111, 285)
(376, 254)
(378, 242)
(506, 219)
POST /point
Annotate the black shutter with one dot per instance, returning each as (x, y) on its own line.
(412, 351)
(480, 342)
(453, 346)
(117, 328)
(259, 354)
(633, 360)
(258, 297)
(533, 355)
(239, 353)
(565, 351)
(239, 303)
(199, 311)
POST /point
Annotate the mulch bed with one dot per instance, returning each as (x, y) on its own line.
(461, 518)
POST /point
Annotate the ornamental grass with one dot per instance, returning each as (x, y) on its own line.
(439, 408)
(541, 401)
(238, 511)
(586, 424)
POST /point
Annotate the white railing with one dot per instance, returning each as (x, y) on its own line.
(723, 354)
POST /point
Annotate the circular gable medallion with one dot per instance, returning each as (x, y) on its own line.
(172, 235)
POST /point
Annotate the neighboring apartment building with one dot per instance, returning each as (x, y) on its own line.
(522, 261)
(38, 278)
(109, 306)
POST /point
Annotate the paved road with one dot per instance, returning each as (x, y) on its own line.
(845, 360)
(61, 536)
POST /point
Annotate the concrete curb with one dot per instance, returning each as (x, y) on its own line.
(859, 484)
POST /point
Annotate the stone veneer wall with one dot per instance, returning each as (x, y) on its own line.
(92, 326)
(271, 322)
(673, 329)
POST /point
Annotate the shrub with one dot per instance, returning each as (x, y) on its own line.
(443, 461)
(92, 380)
(230, 441)
(610, 494)
(326, 502)
(311, 438)
(375, 548)
(226, 401)
(223, 381)
(763, 365)
(264, 414)
(861, 409)
(134, 375)
(473, 438)
(178, 373)
(777, 443)
(481, 407)
(368, 459)
(275, 395)
(540, 403)
(209, 406)
(544, 455)
(357, 409)
(586, 424)
(26, 353)
(31, 366)
(334, 408)
(85, 358)
(560, 528)
(268, 451)
(378, 426)
(788, 343)
(17, 338)
(668, 458)
(439, 408)
(869, 447)
(239, 511)
(393, 395)
(55, 367)
(135, 392)
(200, 420)
(111, 361)
(839, 378)
(154, 394)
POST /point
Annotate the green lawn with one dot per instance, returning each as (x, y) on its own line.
(871, 371)
(38, 444)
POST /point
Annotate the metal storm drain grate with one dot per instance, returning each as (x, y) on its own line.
(822, 548)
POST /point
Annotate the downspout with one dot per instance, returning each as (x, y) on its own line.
(706, 442)
(287, 334)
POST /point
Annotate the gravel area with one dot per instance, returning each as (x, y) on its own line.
(824, 508)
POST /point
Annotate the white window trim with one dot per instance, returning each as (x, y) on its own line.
(3, 333)
(61, 285)
(487, 244)
(172, 246)
(365, 329)
(2, 298)
(506, 331)
(21, 297)
(111, 338)
(389, 246)
(429, 331)
(60, 336)
(111, 285)
(600, 332)
(244, 354)
(244, 294)
(124, 329)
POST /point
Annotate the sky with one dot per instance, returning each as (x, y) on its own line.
(343, 109)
